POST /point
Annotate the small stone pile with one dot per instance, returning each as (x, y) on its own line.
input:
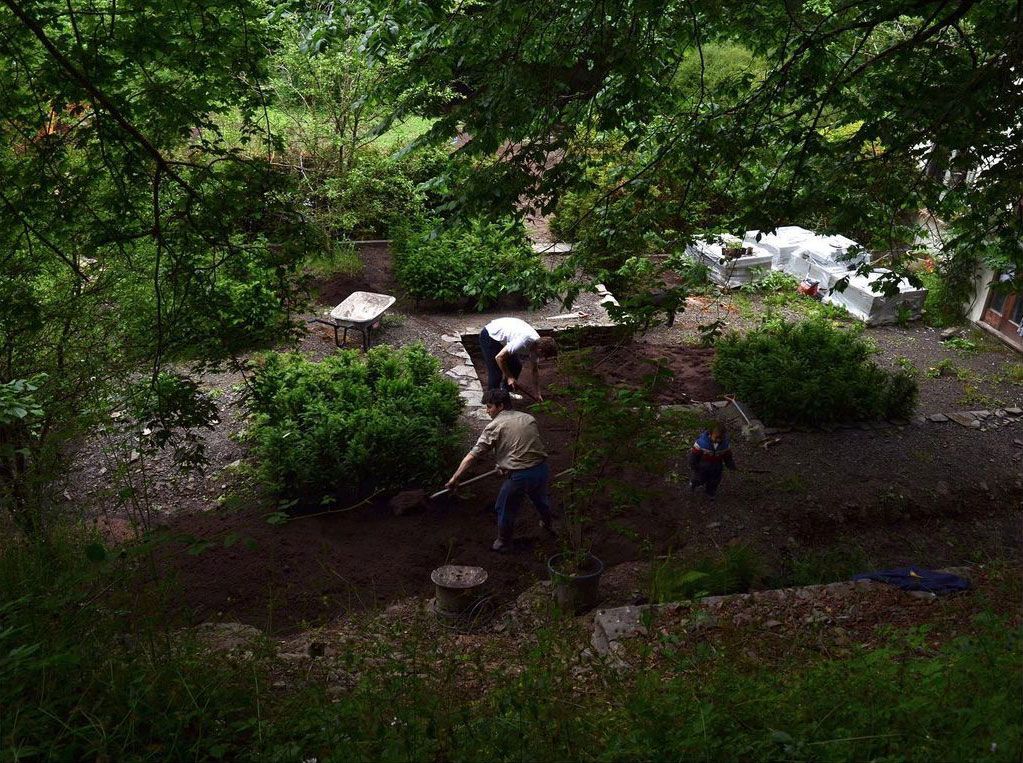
(983, 420)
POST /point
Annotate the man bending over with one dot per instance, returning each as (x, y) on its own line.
(508, 343)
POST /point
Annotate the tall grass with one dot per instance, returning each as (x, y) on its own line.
(733, 571)
(86, 673)
(89, 671)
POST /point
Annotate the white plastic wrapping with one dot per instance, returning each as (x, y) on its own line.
(805, 254)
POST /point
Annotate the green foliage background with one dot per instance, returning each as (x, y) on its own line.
(475, 260)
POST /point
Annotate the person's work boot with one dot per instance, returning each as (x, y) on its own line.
(692, 486)
(500, 546)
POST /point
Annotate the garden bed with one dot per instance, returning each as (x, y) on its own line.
(916, 500)
(921, 505)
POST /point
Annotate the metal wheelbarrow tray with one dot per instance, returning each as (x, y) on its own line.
(361, 311)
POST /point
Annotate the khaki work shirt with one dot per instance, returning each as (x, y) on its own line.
(514, 438)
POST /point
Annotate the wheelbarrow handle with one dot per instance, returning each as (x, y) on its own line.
(477, 478)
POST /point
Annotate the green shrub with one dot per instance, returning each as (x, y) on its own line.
(733, 572)
(352, 423)
(950, 287)
(377, 194)
(811, 372)
(771, 282)
(366, 200)
(947, 367)
(694, 274)
(962, 344)
(237, 303)
(479, 260)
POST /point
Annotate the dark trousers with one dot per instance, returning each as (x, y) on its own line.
(532, 482)
(708, 475)
(490, 347)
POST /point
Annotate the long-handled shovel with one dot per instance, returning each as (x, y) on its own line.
(409, 500)
(520, 387)
(477, 478)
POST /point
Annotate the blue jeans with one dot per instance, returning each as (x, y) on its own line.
(490, 347)
(531, 482)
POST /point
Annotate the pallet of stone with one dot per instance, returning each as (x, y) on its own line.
(805, 254)
(836, 250)
(872, 307)
(729, 261)
(780, 244)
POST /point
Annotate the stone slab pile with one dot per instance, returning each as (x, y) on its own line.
(872, 307)
(731, 263)
(802, 253)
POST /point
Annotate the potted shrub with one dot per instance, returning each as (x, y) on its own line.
(602, 419)
(575, 573)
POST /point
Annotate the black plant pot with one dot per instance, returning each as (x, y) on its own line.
(576, 580)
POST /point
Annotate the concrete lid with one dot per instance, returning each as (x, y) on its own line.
(458, 576)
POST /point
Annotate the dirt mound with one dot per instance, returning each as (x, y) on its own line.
(629, 365)
(377, 275)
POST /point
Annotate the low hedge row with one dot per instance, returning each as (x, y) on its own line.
(477, 261)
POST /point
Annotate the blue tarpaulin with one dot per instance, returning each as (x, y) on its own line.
(918, 579)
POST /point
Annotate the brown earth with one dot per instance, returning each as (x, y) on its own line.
(933, 495)
(900, 495)
(377, 275)
(635, 365)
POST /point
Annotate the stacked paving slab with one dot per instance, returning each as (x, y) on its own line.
(805, 254)
(732, 262)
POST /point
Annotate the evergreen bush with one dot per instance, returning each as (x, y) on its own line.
(811, 372)
(352, 423)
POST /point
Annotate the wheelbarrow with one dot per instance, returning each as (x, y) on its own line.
(361, 311)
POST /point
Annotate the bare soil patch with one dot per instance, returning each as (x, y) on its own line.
(377, 275)
(632, 365)
(674, 374)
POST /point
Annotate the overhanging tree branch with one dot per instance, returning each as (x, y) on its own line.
(98, 96)
(46, 242)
